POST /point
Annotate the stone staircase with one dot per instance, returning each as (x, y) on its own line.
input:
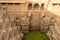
(53, 32)
(12, 26)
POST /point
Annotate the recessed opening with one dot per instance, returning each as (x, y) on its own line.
(36, 6)
(10, 3)
(42, 6)
(59, 4)
(54, 4)
(3, 3)
(30, 6)
(17, 3)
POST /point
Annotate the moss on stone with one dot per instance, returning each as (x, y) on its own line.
(35, 35)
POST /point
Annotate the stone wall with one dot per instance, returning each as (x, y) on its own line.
(13, 26)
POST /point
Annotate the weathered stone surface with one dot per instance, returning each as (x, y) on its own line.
(45, 23)
(12, 26)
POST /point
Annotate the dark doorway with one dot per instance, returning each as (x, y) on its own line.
(30, 6)
(42, 6)
(36, 6)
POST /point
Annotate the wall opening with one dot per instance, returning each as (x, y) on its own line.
(36, 6)
(54, 4)
(42, 6)
(10, 3)
(30, 6)
(3, 3)
(17, 3)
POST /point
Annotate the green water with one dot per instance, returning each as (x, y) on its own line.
(35, 35)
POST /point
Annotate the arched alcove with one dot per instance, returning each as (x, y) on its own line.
(36, 6)
(30, 6)
(42, 6)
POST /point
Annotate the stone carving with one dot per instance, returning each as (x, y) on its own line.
(13, 27)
